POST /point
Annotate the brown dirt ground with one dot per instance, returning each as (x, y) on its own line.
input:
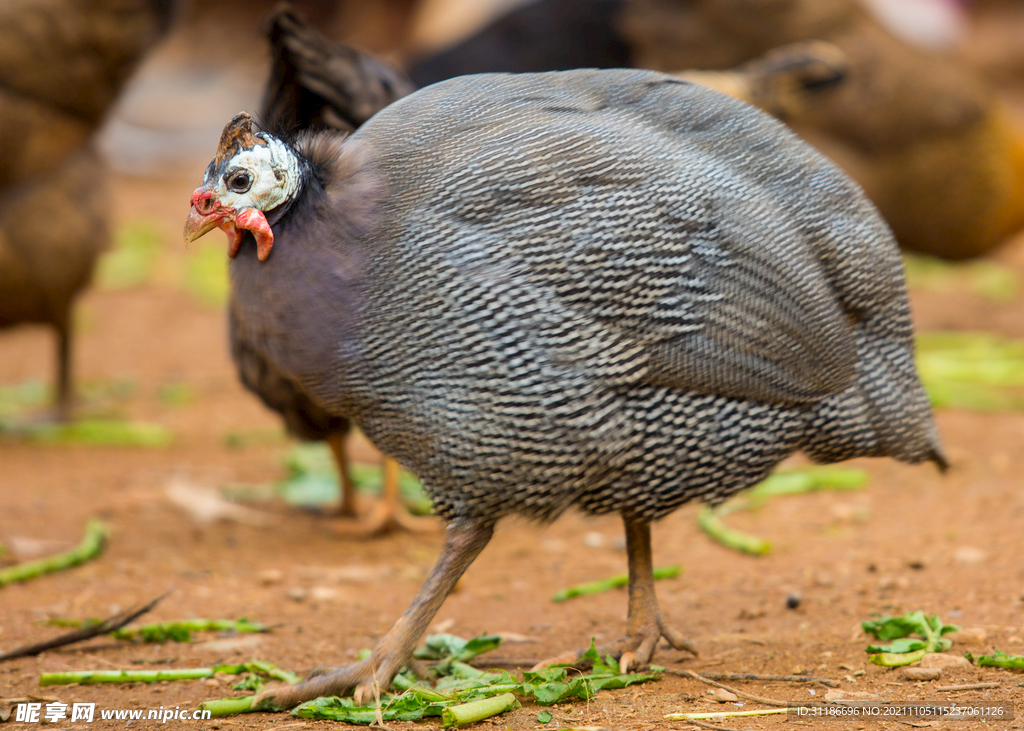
(913, 539)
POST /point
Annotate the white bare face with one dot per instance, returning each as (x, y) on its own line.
(262, 177)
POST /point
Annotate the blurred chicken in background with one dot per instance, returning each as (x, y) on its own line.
(927, 137)
(62, 64)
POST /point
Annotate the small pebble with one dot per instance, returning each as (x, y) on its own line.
(297, 594)
(793, 601)
(849, 695)
(913, 673)
(943, 660)
(969, 555)
(324, 593)
(721, 695)
(593, 539)
(269, 577)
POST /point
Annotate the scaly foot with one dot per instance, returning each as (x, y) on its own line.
(646, 624)
(387, 515)
(632, 651)
(370, 679)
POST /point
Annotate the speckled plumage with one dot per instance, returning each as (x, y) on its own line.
(614, 290)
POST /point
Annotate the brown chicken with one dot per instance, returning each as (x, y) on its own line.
(62, 64)
(926, 137)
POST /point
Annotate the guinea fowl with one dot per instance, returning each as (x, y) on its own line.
(613, 290)
(316, 83)
(62, 65)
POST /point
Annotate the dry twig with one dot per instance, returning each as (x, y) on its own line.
(770, 677)
(969, 686)
(84, 633)
(740, 693)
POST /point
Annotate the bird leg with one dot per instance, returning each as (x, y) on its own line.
(389, 514)
(646, 624)
(347, 507)
(65, 394)
(462, 544)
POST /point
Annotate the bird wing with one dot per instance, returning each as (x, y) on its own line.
(318, 82)
(687, 240)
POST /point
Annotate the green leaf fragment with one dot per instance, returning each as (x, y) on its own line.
(903, 649)
(313, 480)
(102, 432)
(544, 717)
(455, 649)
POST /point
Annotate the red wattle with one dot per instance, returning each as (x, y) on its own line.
(234, 237)
(254, 220)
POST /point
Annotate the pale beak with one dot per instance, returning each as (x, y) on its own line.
(209, 213)
(206, 214)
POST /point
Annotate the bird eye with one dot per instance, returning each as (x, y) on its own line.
(240, 182)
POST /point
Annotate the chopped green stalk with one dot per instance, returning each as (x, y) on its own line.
(998, 660)
(91, 546)
(709, 521)
(467, 713)
(462, 670)
(896, 659)
(810, 479)
(795, 482)
(260, 667)
(228, 706)
(181, 631)
(724, 714)
(613, 582)
(122, 676)
(269, 669)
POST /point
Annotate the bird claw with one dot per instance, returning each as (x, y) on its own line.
(367, 681)
(633, 651)
(384, 518)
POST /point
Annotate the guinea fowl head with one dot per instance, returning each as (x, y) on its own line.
(252, 174)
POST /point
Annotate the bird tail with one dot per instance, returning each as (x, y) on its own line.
(883, 413)
(318, 82)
